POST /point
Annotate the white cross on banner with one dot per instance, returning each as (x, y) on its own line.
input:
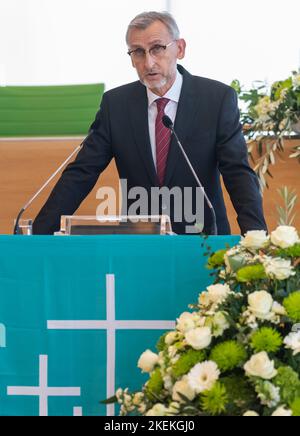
(111, 325)
(43, 391)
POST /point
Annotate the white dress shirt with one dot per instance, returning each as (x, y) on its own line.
(171, 109)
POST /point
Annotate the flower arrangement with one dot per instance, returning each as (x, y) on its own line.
(270, 115)
(237, 352)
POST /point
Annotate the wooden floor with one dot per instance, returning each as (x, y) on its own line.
(26, 164)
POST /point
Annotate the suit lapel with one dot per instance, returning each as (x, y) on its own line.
(138, 111)
(184, 120)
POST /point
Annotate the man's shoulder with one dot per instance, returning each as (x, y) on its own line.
(211, 85)
(204, 83)
(124, 90)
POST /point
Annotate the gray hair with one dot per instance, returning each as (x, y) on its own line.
(144, 20)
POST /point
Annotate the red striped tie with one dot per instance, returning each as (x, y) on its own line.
(162, 137)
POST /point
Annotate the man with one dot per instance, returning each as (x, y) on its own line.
(129, 128)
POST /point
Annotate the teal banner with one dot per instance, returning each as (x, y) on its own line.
(77, 312)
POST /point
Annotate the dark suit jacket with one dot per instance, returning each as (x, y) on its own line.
(207, 122)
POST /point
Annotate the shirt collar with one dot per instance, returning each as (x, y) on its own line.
(173, 94)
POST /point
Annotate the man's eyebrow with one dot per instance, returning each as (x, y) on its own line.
(156, 41)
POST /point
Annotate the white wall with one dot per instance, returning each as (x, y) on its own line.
(82, 41)
(245, 39)
(67, 41)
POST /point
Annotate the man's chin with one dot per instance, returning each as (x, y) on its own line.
(154, 84)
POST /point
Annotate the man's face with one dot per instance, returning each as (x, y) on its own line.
(157, 71)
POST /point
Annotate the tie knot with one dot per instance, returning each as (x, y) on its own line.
(161, 104)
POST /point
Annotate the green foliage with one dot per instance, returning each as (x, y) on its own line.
(155, 385)
(187, 361)
(236, 85)
(215, 400)
(228, 355)
(266, 339)
(288, 382)
(161, 344)
(268, 117)
(293, 252)
(241, 395)
(295, 407)
(233, 306)
(292, 306)
(251, 273)
(279, 86)
(286, 212)
(217, 259)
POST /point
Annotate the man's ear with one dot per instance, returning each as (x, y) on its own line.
(181, 45)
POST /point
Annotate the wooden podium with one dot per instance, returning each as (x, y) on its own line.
(26, 164)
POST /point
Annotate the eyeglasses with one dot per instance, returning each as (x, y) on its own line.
(157, 51)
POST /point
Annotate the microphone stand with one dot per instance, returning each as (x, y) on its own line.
(168, 123)
(17, 227)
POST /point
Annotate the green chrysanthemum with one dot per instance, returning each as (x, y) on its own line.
(215, 400)
(155, 385)
(187, 361)
(228, 355)
(216, 260)
(251, 273)
(293, 251)
(288, 382)
(292, 306)
(295, 407)
(266, 339)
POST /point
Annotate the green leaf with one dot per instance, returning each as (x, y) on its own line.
(110, 400)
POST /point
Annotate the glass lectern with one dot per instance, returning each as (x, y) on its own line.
(115, 225)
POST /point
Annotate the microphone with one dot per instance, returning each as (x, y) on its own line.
(167, 122)
(78, 148)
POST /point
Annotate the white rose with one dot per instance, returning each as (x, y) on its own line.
(284, 237)
(260, 304)
(157, 410)
(292, 341)
(251, 413)
(199, 338)
(215, 295)
(278, 309)
(260, 366)
(183, 387)
(255, 239)
(186, 322)
(220, 324)
(281, 411)
(147, 361)
(278, 268)
(218, 293)
(204, 299)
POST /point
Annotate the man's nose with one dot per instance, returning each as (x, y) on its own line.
(149, 61)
